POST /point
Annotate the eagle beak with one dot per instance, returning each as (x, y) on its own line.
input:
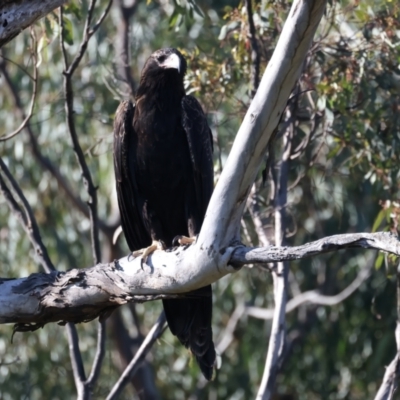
(172, 61)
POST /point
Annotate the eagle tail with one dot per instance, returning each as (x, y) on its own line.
(190, 320)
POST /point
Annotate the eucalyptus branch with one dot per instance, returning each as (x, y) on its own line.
(16, 15)
(80, 295)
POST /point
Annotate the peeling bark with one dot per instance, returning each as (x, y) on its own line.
(81, 295)
(16, 15)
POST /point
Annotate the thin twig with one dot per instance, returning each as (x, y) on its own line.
(156, 331)
(280, 274)
(143, 381)
(34, 93)
(46, 163)
(25, 216)
(69, 110)
(100, 352)
(77, 362)
(123, 53)
(314, 297)
(255, 53)
(227, 335)
(84, 388)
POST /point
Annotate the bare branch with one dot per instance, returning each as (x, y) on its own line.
(16, 15)
(392, 374)
(100, 352)
(227, 334)
(123, 50)
(46, 163)
(69, 110)
(277, 337)
(143, 380)
(314, 297)
(255, 53)
(77, 362)
(28, 222)
(87, 34)
(156, 331)
(34, 92)
(25, 216)
(384, 241)
(390, 380)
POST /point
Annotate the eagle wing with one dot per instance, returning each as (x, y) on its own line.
(200, 141)
(190, 319)
(129, 200)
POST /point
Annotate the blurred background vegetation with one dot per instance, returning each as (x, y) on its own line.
(343, 177)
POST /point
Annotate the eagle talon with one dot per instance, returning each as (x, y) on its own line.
(182, 240)
(147, 251)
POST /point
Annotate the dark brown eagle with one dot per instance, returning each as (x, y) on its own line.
(164, 176)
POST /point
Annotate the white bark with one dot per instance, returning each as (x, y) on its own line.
(391, 378)
(83, 294)
(16, 15)
(222, 222)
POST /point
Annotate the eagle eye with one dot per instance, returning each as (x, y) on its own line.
(161, 58)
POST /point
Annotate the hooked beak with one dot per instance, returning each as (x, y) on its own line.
(172, 61)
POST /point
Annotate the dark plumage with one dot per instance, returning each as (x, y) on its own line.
(164, 175)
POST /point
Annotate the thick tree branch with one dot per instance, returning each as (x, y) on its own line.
(277, 337)
(222, 222)
(391, 378)
(384, 241)
(16, 15)
(83, 294)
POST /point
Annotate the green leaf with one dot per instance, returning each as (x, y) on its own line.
(68, 34)
(74, 9)
(379, 260)
(378, 220)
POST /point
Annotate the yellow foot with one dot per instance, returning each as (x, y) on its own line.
(144, 253)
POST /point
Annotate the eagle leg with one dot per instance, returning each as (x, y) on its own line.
(181, 240)
(144, 253)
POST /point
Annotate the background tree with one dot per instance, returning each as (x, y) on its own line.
(332, 168)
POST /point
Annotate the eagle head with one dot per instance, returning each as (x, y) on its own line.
(165, 61)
